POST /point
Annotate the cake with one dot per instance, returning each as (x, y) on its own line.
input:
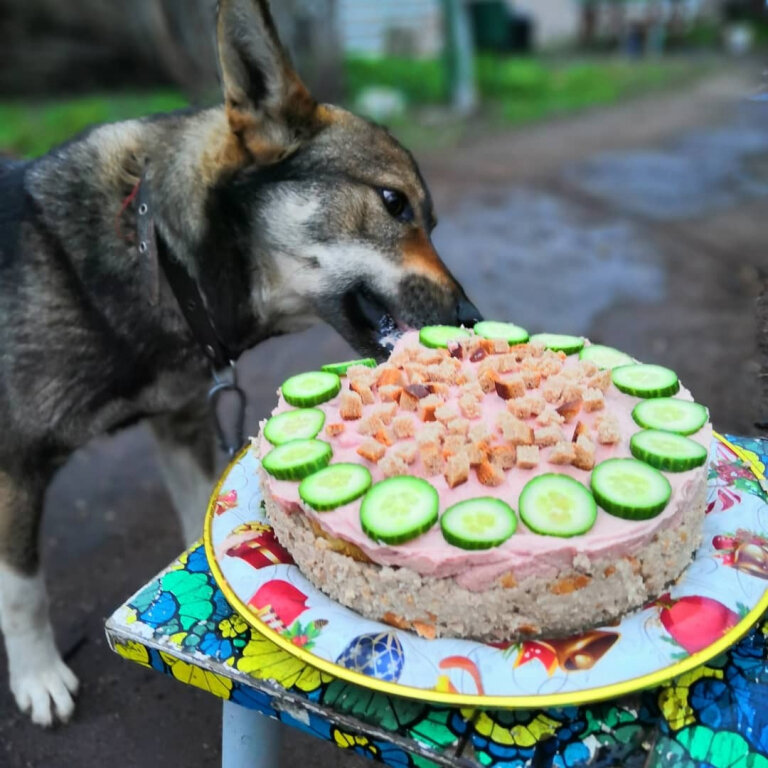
(486, 485)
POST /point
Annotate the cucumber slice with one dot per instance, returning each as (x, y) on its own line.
(435, 336)
(479, 523)
(605, 357)
(559, 342)
(300, 424)
(630, 489)
(311, 388)
(557, 505)
(340, 369)
(642, 380)
(399, 509)
(670, 415)
(297, 459)
(334, 486)
(665, 450)
(513, 334)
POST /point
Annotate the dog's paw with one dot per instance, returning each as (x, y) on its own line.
(47, 694)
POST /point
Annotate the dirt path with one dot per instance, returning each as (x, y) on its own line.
(626, 224)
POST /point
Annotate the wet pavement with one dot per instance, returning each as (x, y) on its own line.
(641, 226)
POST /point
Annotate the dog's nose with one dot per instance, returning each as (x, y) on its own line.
(467, 314)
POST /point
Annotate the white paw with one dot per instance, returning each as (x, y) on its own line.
(46, 694)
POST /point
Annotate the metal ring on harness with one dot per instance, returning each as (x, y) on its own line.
(219, 388)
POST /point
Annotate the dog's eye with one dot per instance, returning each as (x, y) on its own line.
(397, 204)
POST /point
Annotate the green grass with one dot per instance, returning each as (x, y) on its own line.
(31, 127)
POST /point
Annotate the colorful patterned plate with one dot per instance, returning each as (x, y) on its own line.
(720, 595)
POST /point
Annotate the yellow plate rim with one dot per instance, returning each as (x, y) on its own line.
(570, 698)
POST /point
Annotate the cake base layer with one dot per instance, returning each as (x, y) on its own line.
(588, 594)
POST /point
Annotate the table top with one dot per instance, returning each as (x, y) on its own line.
(716, 715)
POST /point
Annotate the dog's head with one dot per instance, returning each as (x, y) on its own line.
(341, 215)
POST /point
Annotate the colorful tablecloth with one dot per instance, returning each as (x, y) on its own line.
(713, 717)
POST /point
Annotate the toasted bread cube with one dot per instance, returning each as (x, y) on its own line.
(562, 453)
(487, 380)
(351, 407)
(407, 451)
(499, 346)
(572, 391)
(430, 356)
(386, 412)
(332, 430)
(392, 465)
(547, 435)
(432, 459)
(478, 452)
(390, 393)
(446, 413)
(431, 433)
(416, 373)
(403, 426)
(458, 427)
(585, 453)
(549, 364)
(469, 407)
(509, 387)
(488, 364)
(400, 358)
(489, 474)
(453, 444)
(527, 456)
(587, 368)
(526, 407)
(571, 372)
(371, 450)
(601, 381)
(389, 375)
(362, 389)
(408, 402)
(479, 344)
(593, 400)
(438, 388)
(370, 425)
(569, 410)
(503, 455)
(479, 432)
(362, 374)
(579, 430)
(385, 436)
(427, 407)
(531, 379)
(549, 416)
(514, 430)
(608, 432)
(474, 390)
(457, 470)
(536, 348)
(552, 389)
(508, 364)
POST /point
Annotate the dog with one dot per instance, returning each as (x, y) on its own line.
(142, 253)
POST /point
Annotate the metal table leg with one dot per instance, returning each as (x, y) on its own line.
(248, 739)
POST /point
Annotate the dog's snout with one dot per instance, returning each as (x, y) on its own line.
(467, 314)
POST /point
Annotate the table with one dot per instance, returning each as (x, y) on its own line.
(181, 624)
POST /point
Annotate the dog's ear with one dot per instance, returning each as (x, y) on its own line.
(268, 107)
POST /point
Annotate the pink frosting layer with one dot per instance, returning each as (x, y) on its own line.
(525, 553)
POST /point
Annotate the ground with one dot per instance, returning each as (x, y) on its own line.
(641, 226)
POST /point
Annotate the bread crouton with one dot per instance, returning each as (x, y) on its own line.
(514, 430)
(458, 427)
(593, 400)
(585, 453)
(569, 410)
(572, 391)
(549, 416)
(371, 450)
(552, 389)
(562, 453)
(432, 459)
(370, 425)
(403, 426)
(479, 432)
(332, 430)
(385, 436)
(362, 389)
(478, 452)
(601, 381)
(499, 346)
(547, 435)
(503, 455)
(390, 393)
(416, 373)
(608, 432)
(531, 379)
(408, 401)
(489, 474)
(427, 407)
(526, 407)
(392, 465)
(469, 407)
(446, 413)
(487, 380)
(473, 390)
(588, 368)
(389, 376)
(579, 430)
(549, 364)
(457, 470)
(430, 356)
(351, 407)
(386, 412)
(527, 456)
(509, 387)
(508, 364)
(453, 444)
(406, 451)
(430, 433)
(361, 374)
(438, 388)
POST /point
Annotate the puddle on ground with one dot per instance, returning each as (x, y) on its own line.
(537, 260)
(699, 173)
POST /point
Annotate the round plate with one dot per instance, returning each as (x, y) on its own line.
(716, 600)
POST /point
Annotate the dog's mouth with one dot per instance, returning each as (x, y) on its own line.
(371, 320)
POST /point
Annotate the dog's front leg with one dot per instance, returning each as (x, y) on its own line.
(186, 448)
(40, 681)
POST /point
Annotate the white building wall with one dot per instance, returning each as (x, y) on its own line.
(555, 21)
